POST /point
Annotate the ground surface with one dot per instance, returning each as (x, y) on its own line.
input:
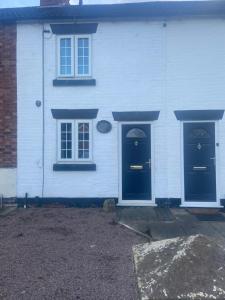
(181, 268)
(163, 223)
(168, 270)
(65, 253)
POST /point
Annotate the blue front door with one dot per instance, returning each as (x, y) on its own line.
(199, 162)
(136, 162)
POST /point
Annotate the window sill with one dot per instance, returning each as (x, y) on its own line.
(74, 82)
(74, 167)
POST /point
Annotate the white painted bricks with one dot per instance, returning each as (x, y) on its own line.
(138, 66)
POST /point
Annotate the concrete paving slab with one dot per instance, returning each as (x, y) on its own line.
(205, 228)
(165, 230)
(153, 222)
(183, 215)
(219, 227)
(136, 213)
(164, 214)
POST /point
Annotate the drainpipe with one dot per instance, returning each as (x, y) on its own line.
(43, 112)
(1, 205)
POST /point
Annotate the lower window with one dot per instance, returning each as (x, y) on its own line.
(74, 140)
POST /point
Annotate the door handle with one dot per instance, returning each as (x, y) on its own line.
(136, 167)
(198, 168)
(214, 160)
(149, 163)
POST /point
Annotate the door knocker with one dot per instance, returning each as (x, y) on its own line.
(199, 146)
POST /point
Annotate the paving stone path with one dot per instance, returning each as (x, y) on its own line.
(164, 223)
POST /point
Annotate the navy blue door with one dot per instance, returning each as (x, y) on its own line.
(136, 162)
(199, 162)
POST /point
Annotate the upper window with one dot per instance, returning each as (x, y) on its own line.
(74, 56)
(83, 57)
(66, 57)
(74, 140)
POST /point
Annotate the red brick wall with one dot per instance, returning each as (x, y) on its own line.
(54, 2)
(8, 93)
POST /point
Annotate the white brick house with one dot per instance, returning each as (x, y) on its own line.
(154, 71)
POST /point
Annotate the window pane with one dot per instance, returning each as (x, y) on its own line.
(69, 145)
(80, 61)
(86, 51)
(85, 60)
(86, 127)
(68, 126)
(86, 145)
(63, 145)
(83, 56)
(86, 136)
(63, 154)
(62, 70)
(86, 154)
(68, 135)
(66, 140)
(80, 154)
(80, 71)
(85, 42)
(80, 52)
(68, 61)
(66, 56)
(63, 135)
(83, 141)
(68, 70)
(63, 126)
(136, 133)
(86, 70)
(63, 61)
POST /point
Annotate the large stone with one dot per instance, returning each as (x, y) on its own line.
(109, 205)
(181, 268)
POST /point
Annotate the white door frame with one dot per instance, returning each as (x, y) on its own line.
(150, 202)
(217, 160)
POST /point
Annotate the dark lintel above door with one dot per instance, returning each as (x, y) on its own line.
(136, 116)
(199, 115)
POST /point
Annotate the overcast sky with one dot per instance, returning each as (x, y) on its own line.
(17, 3)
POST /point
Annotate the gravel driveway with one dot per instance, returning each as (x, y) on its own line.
(65, 253)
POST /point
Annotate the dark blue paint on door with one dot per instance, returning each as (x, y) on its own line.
(136, 162)
(199, 162)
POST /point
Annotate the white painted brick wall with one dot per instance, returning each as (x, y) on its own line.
(138, 66)
(29, 85)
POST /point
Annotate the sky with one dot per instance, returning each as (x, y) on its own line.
(17, 3)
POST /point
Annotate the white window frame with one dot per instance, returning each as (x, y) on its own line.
(59, 140)
(72, 55)
(75, 157)
(90, 140)
(86, 36)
